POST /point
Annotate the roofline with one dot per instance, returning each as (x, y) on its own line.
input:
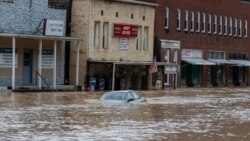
(30, 36)
(138, 2)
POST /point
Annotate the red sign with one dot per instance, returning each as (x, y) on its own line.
(125, 30)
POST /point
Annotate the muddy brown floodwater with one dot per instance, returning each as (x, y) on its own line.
(182, 115)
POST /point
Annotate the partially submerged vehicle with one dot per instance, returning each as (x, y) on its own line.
(126, 96)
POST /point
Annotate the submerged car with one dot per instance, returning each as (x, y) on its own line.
(123, 96)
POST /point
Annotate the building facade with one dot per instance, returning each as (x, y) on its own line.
(25, 52)
(118, 47)
(212, 37)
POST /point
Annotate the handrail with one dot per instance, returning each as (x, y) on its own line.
(48, 86)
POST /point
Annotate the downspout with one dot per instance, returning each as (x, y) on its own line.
(67, 43)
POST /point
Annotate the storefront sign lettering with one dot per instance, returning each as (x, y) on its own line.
(125, 30)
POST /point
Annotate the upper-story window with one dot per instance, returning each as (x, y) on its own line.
(175, 59)
(230, 30)
(240, 28)
(145, 47)
(105, 35)
(220, 25)
(209, 26)
(203, 24)
(245, 29)
(235, 27)
(225, 25)
(167, 18)
(96, 34)
(198, 22)
(186, 21)
(139, 38)
(192, 22)
(178, 26)
(215, 24)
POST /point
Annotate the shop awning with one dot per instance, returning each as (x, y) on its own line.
(241, 62)
(198, 61)
(221, 61)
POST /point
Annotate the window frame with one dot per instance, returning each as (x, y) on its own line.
(198, 22)
(230, 26)
(235, 27)
(220, 25)
(215, 24)
(203, 24)
(178, 25)
(166, 18)
(186, 21)
(240, 27)
(209, 24)
(245, 28)
(225, 25)
(192, 22)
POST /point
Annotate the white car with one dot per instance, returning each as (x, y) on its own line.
(123, 96)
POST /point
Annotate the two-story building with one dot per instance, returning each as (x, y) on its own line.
(208, 39)
(118, 43)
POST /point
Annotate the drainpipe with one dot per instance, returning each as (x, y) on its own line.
(67, 43)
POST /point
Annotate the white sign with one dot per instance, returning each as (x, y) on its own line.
(124, 43)
(54, 28)
(171, 69)
(189, 53)
(47, 59)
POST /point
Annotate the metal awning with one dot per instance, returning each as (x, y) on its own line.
(245, 63)
(221, 61)
(198, 61)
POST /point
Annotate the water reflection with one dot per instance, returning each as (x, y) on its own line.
(180, 115)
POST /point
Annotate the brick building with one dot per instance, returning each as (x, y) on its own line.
(119, 43)
(208, 39)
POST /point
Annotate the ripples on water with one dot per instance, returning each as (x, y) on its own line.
(79, 116)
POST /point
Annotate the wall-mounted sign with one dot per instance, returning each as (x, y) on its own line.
(189, 53)
(53, 27)
(125, 30)
(6, 58)
(171, 69)
(124, 43)
(47, 59)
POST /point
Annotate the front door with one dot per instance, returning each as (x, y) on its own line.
(27, 66)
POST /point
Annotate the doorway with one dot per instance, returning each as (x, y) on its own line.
(27, 66)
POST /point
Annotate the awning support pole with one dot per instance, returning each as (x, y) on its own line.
(13, 62)
(77, 63)
(113, 77)
(54, 70)
(40, 64)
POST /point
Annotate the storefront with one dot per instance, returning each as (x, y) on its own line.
(192, 67)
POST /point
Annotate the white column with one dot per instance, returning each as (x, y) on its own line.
(54, 70)
(77, 64)
(13, 62)
(113, 77)
(40, 64)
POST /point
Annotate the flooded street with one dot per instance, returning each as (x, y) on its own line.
(181, 115)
